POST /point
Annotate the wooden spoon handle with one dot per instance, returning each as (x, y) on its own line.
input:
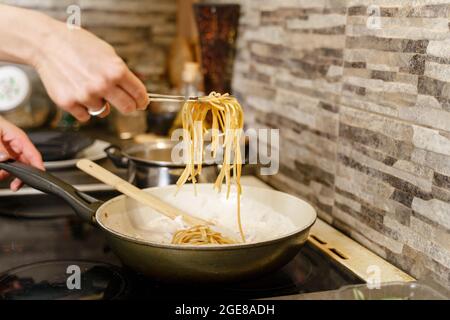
(135, 193)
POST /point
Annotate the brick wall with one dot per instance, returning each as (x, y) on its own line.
(363, 108)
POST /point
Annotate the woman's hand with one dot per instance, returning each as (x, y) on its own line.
(81, 71)
(14, 144)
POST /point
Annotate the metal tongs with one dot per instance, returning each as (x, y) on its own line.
(175, 98)
(170, 98)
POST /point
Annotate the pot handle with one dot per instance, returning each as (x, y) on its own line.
(84, 205)
(116, 155)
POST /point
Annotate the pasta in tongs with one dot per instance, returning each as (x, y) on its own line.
(227, 123)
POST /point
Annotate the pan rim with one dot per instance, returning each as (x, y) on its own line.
(206, 247)
(159, 144)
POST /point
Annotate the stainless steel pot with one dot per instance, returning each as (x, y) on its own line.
(150, 164)
(180, 263)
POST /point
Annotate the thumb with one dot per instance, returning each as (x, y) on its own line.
(4, 155)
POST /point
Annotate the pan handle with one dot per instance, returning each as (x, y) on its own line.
(84, 205)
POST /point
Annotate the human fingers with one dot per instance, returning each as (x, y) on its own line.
(80, 112)
(106, 111)
(3, 174)
(121, 100)
(30, 154)
(136, 89)
(4, 155)
(16, 184)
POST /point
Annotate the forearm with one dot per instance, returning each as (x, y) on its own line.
(23, 34)
(78, 70)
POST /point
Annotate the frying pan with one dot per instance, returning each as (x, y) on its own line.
(180, 263)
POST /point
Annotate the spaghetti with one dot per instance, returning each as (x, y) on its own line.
(200, 235)
(227, 121)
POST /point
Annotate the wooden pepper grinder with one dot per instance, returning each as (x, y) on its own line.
(185, 48)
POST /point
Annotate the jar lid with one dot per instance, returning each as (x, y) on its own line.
(14, 87)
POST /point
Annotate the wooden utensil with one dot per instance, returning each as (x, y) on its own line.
(137, 194)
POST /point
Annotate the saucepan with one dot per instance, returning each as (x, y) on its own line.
(180, 263)
(150, 164)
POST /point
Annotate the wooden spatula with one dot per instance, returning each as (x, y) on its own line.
(137, 194)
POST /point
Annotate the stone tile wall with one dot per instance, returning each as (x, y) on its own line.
(360, 91)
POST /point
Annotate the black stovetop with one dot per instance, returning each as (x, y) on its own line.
(43, 245)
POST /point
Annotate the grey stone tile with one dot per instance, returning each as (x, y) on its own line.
(364, 116)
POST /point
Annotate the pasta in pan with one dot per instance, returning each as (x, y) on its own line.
(200, 235)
